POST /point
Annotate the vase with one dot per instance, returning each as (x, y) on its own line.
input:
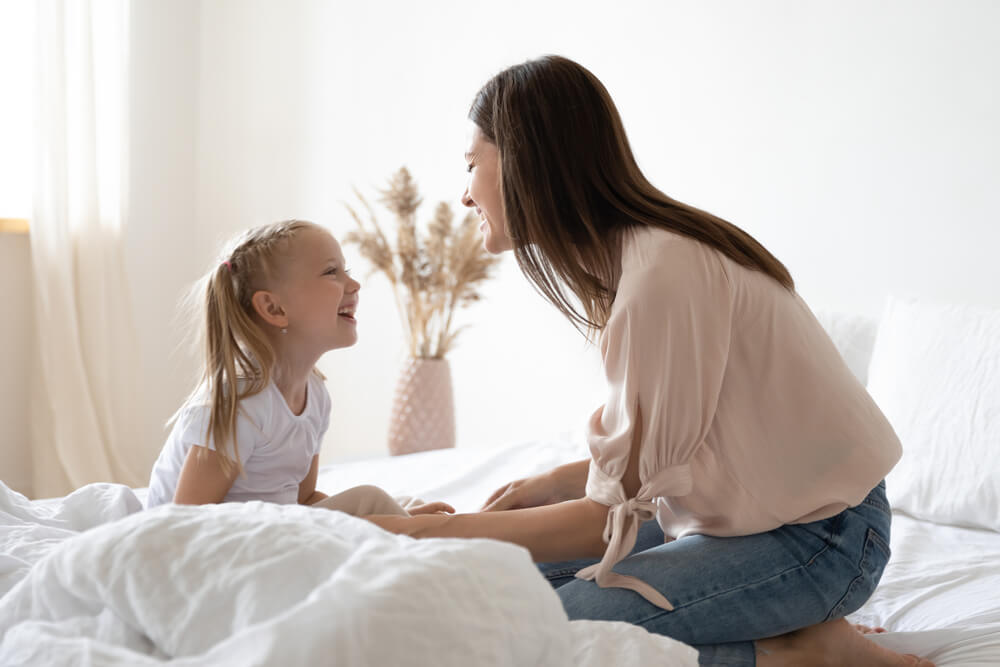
(423, 408)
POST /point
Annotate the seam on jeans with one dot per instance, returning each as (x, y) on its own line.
(872, 540)
(881, 542)
(877, 503)
(800, 566)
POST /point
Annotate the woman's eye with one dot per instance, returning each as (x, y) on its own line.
(469, 168)
(331, 272)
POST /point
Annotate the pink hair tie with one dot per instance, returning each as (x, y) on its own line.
(228, 266)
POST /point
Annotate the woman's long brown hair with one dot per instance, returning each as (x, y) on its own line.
(570, 185)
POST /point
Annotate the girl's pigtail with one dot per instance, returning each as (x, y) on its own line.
(221, 351)
(238, 355)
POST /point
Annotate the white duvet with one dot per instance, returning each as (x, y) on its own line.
(91, 579)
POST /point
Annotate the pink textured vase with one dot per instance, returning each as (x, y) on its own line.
(423, 409)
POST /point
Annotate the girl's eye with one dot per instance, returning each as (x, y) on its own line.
(331, 272)
(469, 168)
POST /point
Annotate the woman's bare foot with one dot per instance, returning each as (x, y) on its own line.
(867, 630)
(830, 644)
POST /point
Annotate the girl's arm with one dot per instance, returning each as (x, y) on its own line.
(567, 530)
(202, 480)
(561, 531)
(308, 495)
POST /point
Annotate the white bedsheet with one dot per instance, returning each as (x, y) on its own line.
(464, 477)
(91, 579)
(939, 596)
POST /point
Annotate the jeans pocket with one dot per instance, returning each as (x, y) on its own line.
(876, 498)
(874, 558)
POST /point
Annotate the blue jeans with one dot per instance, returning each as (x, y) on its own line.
(729, 591)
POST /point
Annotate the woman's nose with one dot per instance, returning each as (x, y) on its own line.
(466, 199)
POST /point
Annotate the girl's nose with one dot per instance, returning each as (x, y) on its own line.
(466, 199)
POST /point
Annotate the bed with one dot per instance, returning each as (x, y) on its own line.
(91, 579)
(939, 596)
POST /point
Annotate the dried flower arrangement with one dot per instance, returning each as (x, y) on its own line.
(432, 278)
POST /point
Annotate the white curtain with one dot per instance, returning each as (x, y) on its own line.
(84, 395)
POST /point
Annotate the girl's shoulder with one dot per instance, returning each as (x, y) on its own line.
(317, 388)
(257, 410)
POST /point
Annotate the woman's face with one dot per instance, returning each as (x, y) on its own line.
(483, 190)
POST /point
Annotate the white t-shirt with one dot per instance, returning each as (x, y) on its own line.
(276, 447)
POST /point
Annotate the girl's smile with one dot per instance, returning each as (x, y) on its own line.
(347, 310)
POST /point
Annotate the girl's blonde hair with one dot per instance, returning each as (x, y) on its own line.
(238, 357)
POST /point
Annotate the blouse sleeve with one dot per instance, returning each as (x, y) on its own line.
(665, 349)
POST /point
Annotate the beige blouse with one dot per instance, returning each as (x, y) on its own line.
(748, 417)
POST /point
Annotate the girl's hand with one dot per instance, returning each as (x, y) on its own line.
(567, 482)
(432, 508)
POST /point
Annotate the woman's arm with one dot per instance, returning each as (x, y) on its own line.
(308, 495)
(567, 530)
(565, 482)
(202, 480)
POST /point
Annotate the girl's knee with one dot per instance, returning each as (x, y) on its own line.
(370, 490)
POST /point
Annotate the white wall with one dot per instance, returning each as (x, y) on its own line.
(16, 324)
(302, 101)
(16, 352)
(857, 140)
(162, 251)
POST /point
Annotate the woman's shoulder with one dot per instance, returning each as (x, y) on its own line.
(660, 260)
(658, 248)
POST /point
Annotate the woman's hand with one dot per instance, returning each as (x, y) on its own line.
(567, 482)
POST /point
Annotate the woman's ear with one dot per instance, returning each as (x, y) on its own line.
(266, 305)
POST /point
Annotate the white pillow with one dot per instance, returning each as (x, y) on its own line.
(854, 336)
(935, 373)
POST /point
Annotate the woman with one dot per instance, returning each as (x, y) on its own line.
(731, 418)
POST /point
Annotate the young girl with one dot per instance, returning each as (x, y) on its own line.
(253, 427)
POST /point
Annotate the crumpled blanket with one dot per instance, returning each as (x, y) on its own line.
(93, 579)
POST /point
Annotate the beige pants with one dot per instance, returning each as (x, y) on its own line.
(365, 500)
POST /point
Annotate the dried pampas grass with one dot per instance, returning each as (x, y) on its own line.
(431, 278)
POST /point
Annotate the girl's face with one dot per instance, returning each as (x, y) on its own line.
(483, 190)
(317, 294)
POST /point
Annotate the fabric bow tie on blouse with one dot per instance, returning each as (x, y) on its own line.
(624, 517)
